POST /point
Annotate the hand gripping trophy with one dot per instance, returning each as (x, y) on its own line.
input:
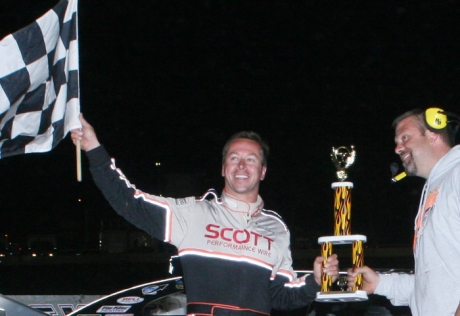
(342, 158)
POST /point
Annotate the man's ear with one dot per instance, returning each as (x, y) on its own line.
(432, 136)
(264, 170)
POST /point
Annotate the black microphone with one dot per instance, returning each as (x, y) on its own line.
(394, 167)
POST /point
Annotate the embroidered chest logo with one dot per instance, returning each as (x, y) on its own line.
(181, 201)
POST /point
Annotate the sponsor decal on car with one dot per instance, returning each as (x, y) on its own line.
(179, 284)
(58, 309)
(130, 300)
(113, 309)
(154, 289)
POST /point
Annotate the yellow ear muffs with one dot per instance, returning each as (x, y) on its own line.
(436, 119)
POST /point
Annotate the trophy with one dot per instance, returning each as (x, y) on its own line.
(342, 158)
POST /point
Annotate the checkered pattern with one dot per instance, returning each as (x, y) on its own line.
(39, 82)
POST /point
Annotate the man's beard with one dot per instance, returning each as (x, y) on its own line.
(411, 167)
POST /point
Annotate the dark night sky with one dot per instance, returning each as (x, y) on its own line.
(170, 81)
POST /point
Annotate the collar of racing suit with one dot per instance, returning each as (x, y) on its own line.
(245, 208)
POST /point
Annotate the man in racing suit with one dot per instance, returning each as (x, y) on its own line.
(235, 254)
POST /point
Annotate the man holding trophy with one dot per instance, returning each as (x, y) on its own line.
(425, 142)
(234, 253)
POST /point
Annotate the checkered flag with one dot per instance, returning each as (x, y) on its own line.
(39, 82)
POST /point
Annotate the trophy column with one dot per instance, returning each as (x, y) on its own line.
(342, 159)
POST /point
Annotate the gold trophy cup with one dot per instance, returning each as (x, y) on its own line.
(342, 158)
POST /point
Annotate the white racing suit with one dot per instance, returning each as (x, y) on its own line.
(235, 256)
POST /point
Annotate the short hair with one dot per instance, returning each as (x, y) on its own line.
(264, 149)
(446, 134)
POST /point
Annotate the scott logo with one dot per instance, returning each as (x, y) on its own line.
(239, 236)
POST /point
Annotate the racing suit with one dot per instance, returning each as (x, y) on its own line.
(235, 256)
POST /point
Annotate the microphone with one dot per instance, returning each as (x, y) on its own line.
(394, 167)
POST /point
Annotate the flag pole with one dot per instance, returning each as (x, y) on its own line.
(78, 148)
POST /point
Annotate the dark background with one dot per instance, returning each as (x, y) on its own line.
(170, 81)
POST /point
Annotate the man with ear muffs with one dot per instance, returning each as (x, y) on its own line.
(425, 142)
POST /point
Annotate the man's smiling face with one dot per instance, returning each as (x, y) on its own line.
(243, 169)
(412, 146)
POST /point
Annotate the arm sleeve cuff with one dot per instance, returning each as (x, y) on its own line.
(396, 287)
(313, 287)
(97, 156)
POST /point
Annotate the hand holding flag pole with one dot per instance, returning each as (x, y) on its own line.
(84, 138)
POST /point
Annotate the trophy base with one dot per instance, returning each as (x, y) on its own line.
(339, 296)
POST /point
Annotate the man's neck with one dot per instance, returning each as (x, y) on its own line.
(238, 205)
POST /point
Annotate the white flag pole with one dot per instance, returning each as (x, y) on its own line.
(78, 148)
